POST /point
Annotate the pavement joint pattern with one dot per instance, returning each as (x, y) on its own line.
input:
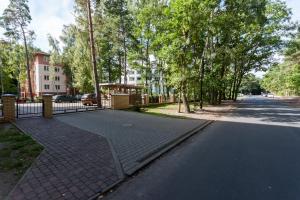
(75, 164)
(133, 135)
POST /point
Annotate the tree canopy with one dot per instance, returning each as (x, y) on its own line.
(198, 50)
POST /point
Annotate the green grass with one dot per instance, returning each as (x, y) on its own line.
(18, 151)
(165, 115)
(157, 110)
(160, 108)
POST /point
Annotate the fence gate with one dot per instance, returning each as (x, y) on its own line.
(29, 109)
(77, 106)
(36, 109)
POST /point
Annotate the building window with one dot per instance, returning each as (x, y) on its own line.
(46, 68)
(46, 87)
(46, 58)
(57, 78)
(46, 78)
(131, 78)
(56, 69)
(57, 87)
(139, 78)
(130, 72)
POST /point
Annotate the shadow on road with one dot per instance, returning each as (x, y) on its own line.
(263, 110)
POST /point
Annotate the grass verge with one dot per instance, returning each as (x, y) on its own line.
(158, 110)
(17, 150)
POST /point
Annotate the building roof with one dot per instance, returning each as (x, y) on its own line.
(118, 85)
(41, 53)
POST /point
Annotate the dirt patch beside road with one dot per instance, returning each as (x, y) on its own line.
(209, 112)
(291, 101)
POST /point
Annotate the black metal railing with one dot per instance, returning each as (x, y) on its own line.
(68, 107)
(1, 109)
(29, 109)
(78, 106)
(159, 99)
(154, 99)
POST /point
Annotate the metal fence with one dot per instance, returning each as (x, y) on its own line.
(77, 106)
(1, 109)
(153, 99)
(29, 109)
(68, 107)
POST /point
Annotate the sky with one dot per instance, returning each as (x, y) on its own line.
(49, 16)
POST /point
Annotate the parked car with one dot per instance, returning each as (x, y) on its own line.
(78, 97)
(264, 94)
(271, 95)
(88, 99)
(63, 98)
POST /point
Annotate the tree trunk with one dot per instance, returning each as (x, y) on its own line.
(93, 53)
(185, 99)
(179, 100)
(202, 64)
(109, 71)
(234, 82)
(125, 59)
(27, 66)
(147, 67)
(120, 68)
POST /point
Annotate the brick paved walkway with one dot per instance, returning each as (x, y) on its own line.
(75, 164)
(135, 136)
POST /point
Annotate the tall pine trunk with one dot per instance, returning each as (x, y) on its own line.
(185, 99)
(27, 66)
(93, 53)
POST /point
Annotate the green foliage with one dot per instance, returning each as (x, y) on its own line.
(201, 49)
(284, 79)
(12, 67)
(251, 85)
(15, 20)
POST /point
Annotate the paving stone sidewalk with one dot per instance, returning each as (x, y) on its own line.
(134, 136)
(75, 164)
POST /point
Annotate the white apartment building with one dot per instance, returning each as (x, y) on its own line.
(133, 77)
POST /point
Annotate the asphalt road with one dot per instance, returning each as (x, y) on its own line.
(256, 158)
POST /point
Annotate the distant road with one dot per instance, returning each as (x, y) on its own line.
(255, 156)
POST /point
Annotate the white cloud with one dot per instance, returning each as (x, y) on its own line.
(48, 17)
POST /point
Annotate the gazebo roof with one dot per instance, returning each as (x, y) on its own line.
(118, 85)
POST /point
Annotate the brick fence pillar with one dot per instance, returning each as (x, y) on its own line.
(47, 101)
(9, 108)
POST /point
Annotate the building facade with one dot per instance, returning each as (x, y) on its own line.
(133, 77)
(45, 79)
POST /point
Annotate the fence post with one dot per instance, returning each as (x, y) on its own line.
(146, 99)
(47, 106)
(160, 99)
(172, 98)
(9, 109)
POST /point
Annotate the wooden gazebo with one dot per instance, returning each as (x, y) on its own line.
(134, 91)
